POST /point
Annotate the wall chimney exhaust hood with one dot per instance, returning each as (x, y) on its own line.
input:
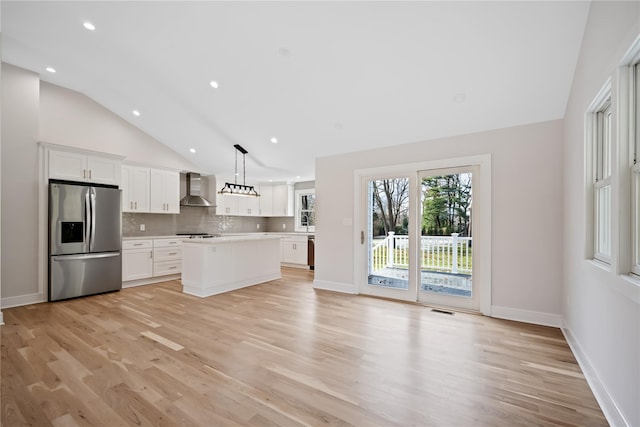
(194, 189)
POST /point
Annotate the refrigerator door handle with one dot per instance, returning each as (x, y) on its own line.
(93, 218)
(87, 219)
(60, 258)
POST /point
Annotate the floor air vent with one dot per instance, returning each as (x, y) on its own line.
(437, 310)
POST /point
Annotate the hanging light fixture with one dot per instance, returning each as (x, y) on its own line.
(235, 189)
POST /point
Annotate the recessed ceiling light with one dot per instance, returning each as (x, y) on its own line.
(136, 113)
(459, 98)
(89, 26)
(338, 126)
(214, 84)
(193, 150)
(284, 52)
(298, 177)
(274, 140)
(50, 69)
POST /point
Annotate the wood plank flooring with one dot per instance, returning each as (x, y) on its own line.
(281, 354)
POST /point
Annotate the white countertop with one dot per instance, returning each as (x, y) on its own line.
(173, 236)
(230, 239)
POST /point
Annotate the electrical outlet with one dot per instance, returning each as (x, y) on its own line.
(141, 227)
(284, 226)
(258, 226)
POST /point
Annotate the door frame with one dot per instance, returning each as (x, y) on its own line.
(482, 204)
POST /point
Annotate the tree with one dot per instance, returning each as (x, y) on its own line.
(446, 204)
(391, 204)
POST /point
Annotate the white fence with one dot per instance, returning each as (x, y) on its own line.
(450, 254)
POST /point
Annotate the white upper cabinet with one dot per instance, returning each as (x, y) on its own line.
(276, 200)
(266, 200)
(80, 166)
(135, 188)
(283, 200)
(164, 191)
(227, 205)
(248, 206)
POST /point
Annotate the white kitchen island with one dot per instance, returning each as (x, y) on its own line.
(221, 264)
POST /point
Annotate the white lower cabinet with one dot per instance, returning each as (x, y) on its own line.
(149, 259)
(167, 257)
(294, 250)
(137, 259)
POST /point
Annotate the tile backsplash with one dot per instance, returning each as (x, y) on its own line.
(199, 220)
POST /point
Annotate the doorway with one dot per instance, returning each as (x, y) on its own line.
(425, 233)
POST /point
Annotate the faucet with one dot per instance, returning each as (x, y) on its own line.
(305, 221)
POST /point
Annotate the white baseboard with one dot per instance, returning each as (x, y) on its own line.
(19, 300)
(203, 290)
(345, 288)
(602, 395)
(149, 281)
(1, 319)
(290, 265)
(527, 316)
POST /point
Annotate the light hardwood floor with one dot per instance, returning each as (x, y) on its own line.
(281, 354)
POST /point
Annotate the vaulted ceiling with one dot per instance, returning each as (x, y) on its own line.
(322, 77)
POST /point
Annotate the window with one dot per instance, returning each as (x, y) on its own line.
(305, 210)
(602, 184)
(635, 170)
(601, 121)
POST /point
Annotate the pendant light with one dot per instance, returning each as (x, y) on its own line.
(235, 189)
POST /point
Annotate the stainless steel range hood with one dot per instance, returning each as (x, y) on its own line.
(194, 195)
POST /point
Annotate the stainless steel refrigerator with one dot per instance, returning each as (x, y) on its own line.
(85, 240)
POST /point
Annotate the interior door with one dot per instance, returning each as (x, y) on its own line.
(445, 235)
(386, 241)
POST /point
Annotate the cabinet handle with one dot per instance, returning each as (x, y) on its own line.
(173, 268)
(150, 254)
(173, 253)
(137, 244)
(84, 173)
(136, 203)
(89, 173)
(130, 205)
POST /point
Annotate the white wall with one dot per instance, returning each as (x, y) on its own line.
(526, 208)
(70, 118)
(602, 323)
(20, 99)
(31, 112)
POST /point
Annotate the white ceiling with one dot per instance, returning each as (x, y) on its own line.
(323, 77)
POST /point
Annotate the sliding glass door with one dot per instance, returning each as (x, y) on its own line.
(386, 239)
(446, 238)
(417, 242)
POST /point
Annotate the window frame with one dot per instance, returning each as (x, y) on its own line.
(634, 147)
(602, 122)
(299, 211)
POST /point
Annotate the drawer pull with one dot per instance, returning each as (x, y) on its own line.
(173, 253)
(137, 244)
(173, 268)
